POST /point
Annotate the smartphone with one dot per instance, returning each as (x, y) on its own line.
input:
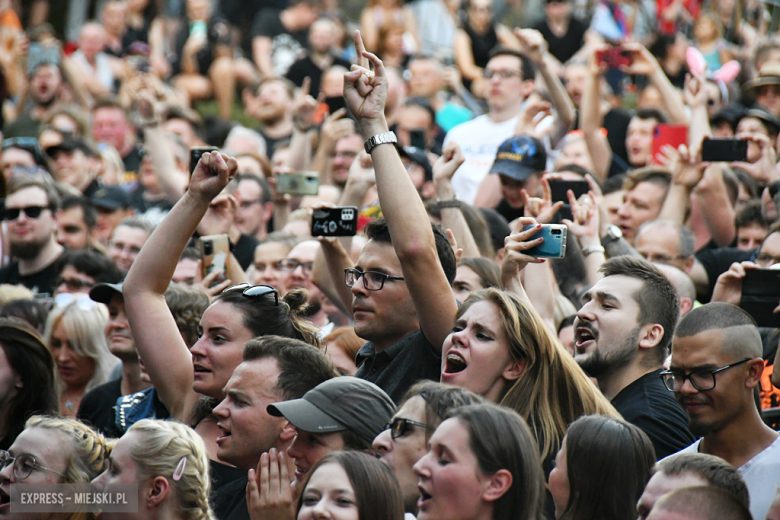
(417, 138)
(760, 296)
(554, 244)
(196, 152)
(335, 103)
(614, 57)
(334, 222)
(199, 28)
(666, 134)
(215, 255)
(723, 149)
(298, 183)
(559, 189)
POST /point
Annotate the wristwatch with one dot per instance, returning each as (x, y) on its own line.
(450, 203)
(613, 233)
(385, 138)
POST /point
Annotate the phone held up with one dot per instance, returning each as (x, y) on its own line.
(614, 57)
(298, 183)
(554, 244)
(215, 255)
(559, 189)
(196, 152)
(723, 149)
(334, 222)
(761, 295)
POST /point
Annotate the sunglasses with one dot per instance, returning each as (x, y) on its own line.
(255, 291)
(30, 211)
(400, 427)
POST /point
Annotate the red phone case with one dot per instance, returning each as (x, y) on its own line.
(663, 134)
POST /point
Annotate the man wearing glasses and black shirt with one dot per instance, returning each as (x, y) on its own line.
(716, 366)
(30, 213)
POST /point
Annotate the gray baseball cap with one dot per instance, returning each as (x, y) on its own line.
(103, 292)
(341, 403)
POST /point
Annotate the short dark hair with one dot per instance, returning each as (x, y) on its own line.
(527, 67)
(651, 113)
(265, 188)
(614, 183)
(424, 104)
(91, 263)
(704, 502)
(21, 183)
(301, 366)
(714, 315)
(378, 231)
(568, 321)
(652, 174)
(716, 471)
(90, 212)
(751, 214)
(608, 464)
(190, 253)
(377, 492)
(440, 400)
(657, 298)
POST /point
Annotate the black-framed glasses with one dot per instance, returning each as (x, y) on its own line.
(23, 464)
(702, 379)
(255, 291)
(503, 74)
(372, 280)
(400, 427)
(73, 284)
(291, 264)
(31, 212)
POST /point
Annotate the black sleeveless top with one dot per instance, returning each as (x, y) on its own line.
(481, 45)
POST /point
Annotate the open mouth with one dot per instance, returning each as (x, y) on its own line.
(200, 369)
(454, 363)
(424, 496)
(225, 434)
(584, 335)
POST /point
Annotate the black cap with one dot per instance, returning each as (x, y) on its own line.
(728, 114)
(111, 198)
(419, 156)
(103, 292)
(70, 143)
(519, 157)
(339, 404)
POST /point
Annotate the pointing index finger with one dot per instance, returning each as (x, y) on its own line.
(360, 49)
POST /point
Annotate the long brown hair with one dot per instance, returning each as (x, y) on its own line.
(553, 391)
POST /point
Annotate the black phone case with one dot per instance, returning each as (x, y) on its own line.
(724, 150)
(761, 295)
(334, 222)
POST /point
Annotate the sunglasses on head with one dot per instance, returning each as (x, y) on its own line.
(255, 291)
(30, 211)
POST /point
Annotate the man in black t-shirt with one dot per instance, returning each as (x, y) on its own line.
(30, 213)
(623, 333)
(322, 38)
(565, 34)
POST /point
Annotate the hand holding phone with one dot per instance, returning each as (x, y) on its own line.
(215, 256)
(724, 149)
(298, 183)
(614, 57)
(196, 152)
(334, 222)
(553, 243)
(667, 135)
(761, 296)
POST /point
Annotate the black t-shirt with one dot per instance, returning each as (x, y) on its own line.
(244, 250)
(508, 212)
(41, 282)
(616, 123)
(565, 47)
(399, 366)
(229, 500)
(286, 45)
(271, 143)
(717, 262)
(305, 67)
(97, 408)
(132, 160)
(647, 404)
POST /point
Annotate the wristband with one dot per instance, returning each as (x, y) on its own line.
(451, 203)
(593, 249)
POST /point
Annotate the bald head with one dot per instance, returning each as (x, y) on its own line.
(740, 333)
(699, 503)
(683, 286)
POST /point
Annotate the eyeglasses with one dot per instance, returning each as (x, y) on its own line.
(73, 284)
(30, 211)
(372, 280)
(245, 204)
(255, 291)
(503, 74)
(400, 427)
(702, 380)
(23, 464)
(290, 264)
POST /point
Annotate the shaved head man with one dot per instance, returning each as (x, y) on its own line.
(699, 503)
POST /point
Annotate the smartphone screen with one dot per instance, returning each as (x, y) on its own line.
(723, 149)
(417, 138)
(671, 135)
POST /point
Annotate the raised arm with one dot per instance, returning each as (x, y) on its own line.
(157, 337)
(644, 63)
(451, 216)
(591, 119)
(407, 220)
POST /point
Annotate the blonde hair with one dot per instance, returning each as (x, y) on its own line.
(160, 451)
(88, 458)
(553, 391)
(10, 292)
(563, 309)
(84, 322)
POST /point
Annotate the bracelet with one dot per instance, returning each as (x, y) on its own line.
(302, 129)
(450, 203)
(593, 249)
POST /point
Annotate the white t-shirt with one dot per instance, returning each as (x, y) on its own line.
(761, 474)
(479, 140)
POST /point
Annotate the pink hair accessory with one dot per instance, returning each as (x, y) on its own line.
(728, 72)
(696, 61)
(180, 469)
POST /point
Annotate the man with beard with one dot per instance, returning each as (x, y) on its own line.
(271, 104)
(30, 214)
(716, 366)
(297, 274)
(623, 332)
(45, 83)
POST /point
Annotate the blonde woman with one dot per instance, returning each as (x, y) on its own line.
(169, 463)
(501, 349)
(75, 334)
(51, 450)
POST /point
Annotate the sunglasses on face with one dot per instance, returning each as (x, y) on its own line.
(400, 427)
(30, 211)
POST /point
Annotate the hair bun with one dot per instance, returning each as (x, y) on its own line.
(296, 299)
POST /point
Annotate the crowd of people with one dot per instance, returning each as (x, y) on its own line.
(170, 317)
